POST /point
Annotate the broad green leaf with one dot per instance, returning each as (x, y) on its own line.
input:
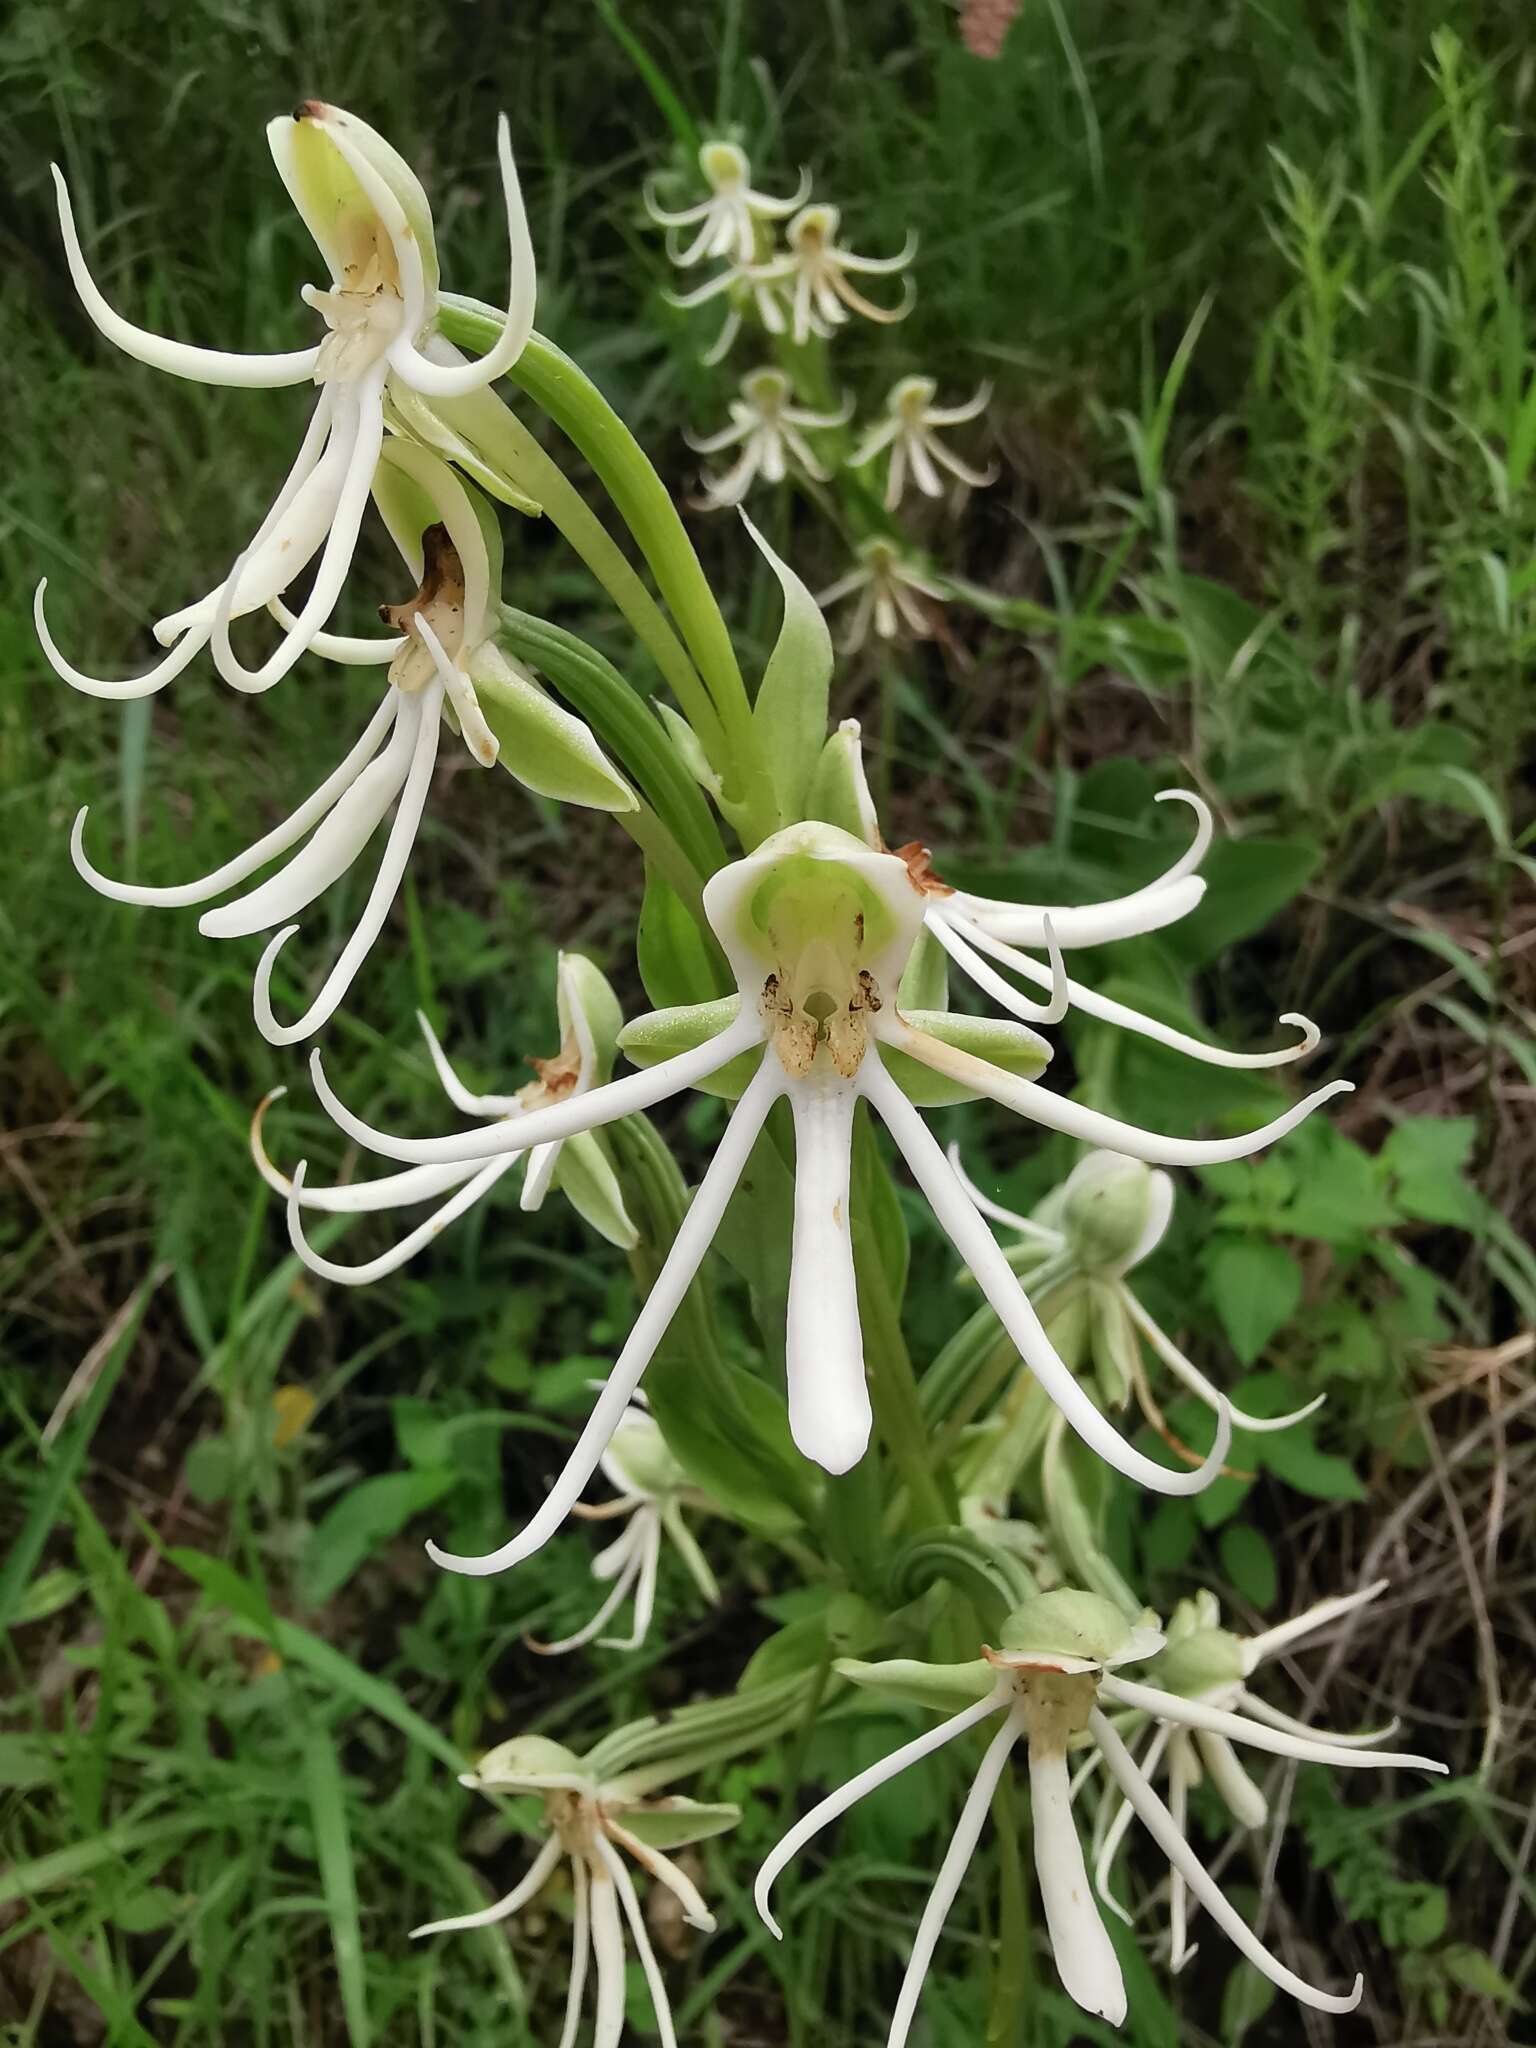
(1247, 882)
(677, 964)
(1249, 1562)
(1255, 1288)
(1292, 1456)
(364, 1519)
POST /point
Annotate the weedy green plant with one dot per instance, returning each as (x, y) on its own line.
(800, 971)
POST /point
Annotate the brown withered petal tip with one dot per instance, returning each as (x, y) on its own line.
(309, 110)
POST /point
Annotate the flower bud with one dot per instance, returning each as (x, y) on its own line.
(527, 1763)
(1072, 1631)
(1206, 1662)
(1113, 1210)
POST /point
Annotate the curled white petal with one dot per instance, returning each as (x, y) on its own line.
(980, 1251)
(1187, 1713)
(1185, 1370)
(398, 1255)
(1367, 1738)
(1159, 1823)
(180, 358)
(865, 1781)
(1010, 1218)
(561, 1119)
(693, 1239)
(119, 692)
(533, 1881)
(957, 1858)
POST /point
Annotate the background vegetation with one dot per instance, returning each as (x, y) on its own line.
(1251, 280)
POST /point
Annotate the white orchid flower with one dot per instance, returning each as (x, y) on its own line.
(1073, 1254)
(816, 271)
(652, 1490)
(910, 432)
(370, 218)
(743, 291)
(892, 592)
(590, 1020)
(594, 1823)
(1058, 1658)
(1208, 1668)
(769, 429)
(818, 930)
(727, 221)
(443, 664)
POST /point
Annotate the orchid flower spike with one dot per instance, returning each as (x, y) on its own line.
(893, 593)
(769, 429)
(1197, 1708)
(910, 432)
(816, 273)
(444, 665)
(578, 1166)
(369, 215)
(819, 930)
(1073, 1254)
(1053, 1683)
(592, 1824)
(728, 221)
(651, 1490)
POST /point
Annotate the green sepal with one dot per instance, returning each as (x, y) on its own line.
(408, 413)
(674, 1822)
(547, 748)
(949, 1688)
(661, 1034)
(789, 718)
(1013, 1048)
(585, 996)
(839, 791)
(587, 1181)
(1200, 1663)
(925, 978)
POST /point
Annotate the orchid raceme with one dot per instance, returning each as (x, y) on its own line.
(816, 272)
(910, 432)
(769, 429)
(725, 224)
(1208, 1667)
(893, 593)
(1073, 1254)
(371, 221)
(819, 931)
(589, 1020)
(1053, 1684)
(443, 664)
(597, 1827)
(651, 1490)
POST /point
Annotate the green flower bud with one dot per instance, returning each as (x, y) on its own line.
(1209, 1661)
(528, 1763)
(1114, 1210)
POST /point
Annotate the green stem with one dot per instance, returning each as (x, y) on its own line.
(579, 409)
(506, 444)
(1014, 1988)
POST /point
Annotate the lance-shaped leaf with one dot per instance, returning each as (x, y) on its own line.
(789, 719)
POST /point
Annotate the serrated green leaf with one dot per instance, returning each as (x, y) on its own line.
(1254, 1288)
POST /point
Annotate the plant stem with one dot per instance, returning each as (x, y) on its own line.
(1010, 2016)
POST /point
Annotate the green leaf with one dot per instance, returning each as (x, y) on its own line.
(789, 718)
(677, 964)
(547, 748)
(26, 1761)
(1245, 1999)
(210, 1469)
(1255, 1289)
(326, 1793)
(366, 1517)
(1247, 882)
(146, 1911)
(1249, 1562)
(1425, 1156)
(1292, 1456)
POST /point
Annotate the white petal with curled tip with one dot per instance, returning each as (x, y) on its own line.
(980, 1251)
(397, 851)
(1089, 1126)
(536, 1877)
(561, 1119)
(398, 1255)
(340, 837)
(1368, 1738)
(957, 1858)
(1085, 1956)
(857, 1787)
(1159, 1823)
(200, 365)
(124, 690)
(692, 1241)
(434, 379)
(179, 895)
(1187, 1713)
(829, 1412)
(1189, 1373)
